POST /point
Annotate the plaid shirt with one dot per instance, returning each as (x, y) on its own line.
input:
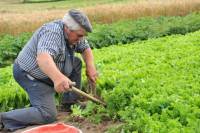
(49, 39)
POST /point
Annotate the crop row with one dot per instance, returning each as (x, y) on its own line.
(122, 32)
(12, 96)
(151, 86)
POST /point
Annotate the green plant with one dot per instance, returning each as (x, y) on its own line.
(104, 35)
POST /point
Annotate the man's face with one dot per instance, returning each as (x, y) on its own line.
(74, 36)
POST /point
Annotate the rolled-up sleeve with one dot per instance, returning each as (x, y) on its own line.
(49, 43)
(82, 45)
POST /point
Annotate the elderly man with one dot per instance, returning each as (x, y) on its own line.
(47, 65)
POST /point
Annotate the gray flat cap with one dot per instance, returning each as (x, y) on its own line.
(81, 19)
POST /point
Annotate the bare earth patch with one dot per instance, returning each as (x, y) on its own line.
(83, 124)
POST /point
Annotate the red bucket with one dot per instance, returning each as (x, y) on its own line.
(54, 128)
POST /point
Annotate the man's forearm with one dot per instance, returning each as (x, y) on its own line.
(90, 67)
(88, 57)
(47, 65)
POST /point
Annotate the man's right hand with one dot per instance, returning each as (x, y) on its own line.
(62, 84)
(48, 66)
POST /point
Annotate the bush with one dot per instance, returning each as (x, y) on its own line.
(10, 47)
(122, 32)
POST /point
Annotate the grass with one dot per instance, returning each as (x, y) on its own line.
(108, 12)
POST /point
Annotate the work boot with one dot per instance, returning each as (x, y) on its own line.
(68, 100)
(66, 107)
(1, 123)
(1, 127)
(82, 104)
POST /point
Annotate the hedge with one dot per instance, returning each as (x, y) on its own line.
(122, 32)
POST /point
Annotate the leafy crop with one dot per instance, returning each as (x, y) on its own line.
(122, 32)
(12, 96)
(10, 47)
(151, 86)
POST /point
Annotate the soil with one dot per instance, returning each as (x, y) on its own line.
(83, 124)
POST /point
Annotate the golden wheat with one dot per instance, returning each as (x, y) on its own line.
(15, 23)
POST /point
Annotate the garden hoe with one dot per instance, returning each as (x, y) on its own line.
(82, 93)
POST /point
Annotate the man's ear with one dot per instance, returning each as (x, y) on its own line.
(66, 30)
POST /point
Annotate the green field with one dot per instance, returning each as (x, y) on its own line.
(147, 56)
(151, 86)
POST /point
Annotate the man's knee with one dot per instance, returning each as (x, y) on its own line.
(49, 115)
(51, 118)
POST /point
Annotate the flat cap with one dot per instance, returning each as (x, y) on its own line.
(81, 19)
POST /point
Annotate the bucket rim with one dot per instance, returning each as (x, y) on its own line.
(28, 130)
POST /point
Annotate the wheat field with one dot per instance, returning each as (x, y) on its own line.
(17, 22)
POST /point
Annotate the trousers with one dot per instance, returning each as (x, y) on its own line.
(41, 95)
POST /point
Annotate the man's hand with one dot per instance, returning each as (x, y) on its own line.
(62, 84)
(47, 65)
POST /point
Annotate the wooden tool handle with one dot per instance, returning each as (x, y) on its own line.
(74, 89)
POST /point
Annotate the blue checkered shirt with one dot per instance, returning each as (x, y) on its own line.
(49, 39)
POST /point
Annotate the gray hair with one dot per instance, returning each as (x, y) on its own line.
(70, 22)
